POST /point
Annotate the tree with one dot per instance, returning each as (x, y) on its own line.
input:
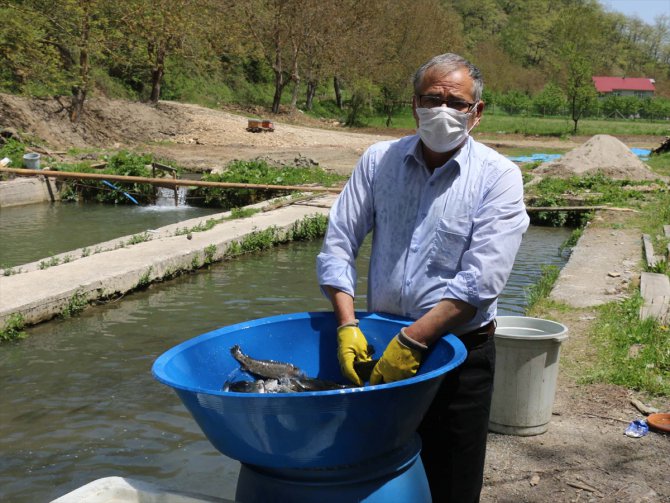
(157, 29)
(28, 63)
(550, 100)
(579, 87)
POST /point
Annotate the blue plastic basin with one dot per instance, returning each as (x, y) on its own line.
(309, 429)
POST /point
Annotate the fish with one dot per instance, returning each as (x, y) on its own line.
(265, 369)
(273, 376)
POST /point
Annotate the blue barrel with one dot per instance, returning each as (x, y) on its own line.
(398, 476)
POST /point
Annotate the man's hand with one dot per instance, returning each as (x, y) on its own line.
(401, 359)
(351, 346)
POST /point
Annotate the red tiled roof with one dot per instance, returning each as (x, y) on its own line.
(609, 84)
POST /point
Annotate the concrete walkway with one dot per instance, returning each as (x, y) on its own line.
(116, 267)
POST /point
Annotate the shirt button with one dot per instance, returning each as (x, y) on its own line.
(415, 249)
(408, 282)
(431, 184)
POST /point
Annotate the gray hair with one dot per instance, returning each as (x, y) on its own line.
(448, 63)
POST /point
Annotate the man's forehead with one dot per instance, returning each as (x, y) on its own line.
(455, 75)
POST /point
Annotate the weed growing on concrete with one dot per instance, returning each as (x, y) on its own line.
(210, 251)
(541, 290)
(572, 240)
(195, 262)
(75, 305)
(66, 259)
(10, 271)
(236, 213)
(309, 228)
(138, 238)
(13, 328)
(233, 249)
(145, 279)
(45, 264)
(260, 240)
(85, 252)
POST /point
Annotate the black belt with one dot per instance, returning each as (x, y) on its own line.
(478, 336)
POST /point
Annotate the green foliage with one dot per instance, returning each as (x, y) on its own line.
(549, 101)
(14, 150)
(631, 352)
(515, 102)
(572, 240)
(210, 252)
(13, 329)
(596, 189)
(122, 163)
(145, 279)
(257, 173)
(542, 288)
(309, 228)
(28, 64)
(138, 238)
(50, 262)
(75, 305)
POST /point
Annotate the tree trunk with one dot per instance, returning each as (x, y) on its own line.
(311, 91)
(279, 89)
(338, 91)
(157, 75)
(80, 90)
(294, 96)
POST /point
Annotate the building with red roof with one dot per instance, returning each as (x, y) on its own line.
(625, 86)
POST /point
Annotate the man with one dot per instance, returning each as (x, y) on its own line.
(448, 217)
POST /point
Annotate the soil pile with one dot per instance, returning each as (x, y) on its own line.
(104, 123)
(602, 153)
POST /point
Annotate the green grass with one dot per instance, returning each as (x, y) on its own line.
(559, 127)
(631, 352)
(660, 163)
(542, 288)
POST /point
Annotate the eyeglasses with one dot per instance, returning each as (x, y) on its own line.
(432, 101)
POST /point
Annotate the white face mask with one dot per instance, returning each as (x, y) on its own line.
(443, 129)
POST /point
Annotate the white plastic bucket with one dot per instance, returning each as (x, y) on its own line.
(31, 160)
(527, 354)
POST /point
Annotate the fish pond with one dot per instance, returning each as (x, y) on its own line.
(79, 401)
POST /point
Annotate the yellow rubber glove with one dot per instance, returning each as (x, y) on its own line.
(351, 346)
(401, 359)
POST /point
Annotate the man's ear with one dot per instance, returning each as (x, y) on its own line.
(480, 108)
(414, 105)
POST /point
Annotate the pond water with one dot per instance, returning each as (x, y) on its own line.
(79, 401)
(36, 231)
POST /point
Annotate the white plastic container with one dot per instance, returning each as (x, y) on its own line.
(31, 160)
(527, 355)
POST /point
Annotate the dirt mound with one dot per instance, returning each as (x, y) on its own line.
(602, 153)
(104, 123)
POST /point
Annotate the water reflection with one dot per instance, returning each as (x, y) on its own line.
(79, 402)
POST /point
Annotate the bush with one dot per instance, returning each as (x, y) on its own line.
(257, 173)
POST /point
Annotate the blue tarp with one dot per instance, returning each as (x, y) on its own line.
(642, 153)
(535, 157)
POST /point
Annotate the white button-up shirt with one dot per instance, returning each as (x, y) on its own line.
(449, 234)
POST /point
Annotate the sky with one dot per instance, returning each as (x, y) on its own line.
(647, 10)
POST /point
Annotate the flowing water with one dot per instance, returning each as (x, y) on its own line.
(78, 399)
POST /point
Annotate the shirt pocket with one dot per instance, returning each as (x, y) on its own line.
(452, 237)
